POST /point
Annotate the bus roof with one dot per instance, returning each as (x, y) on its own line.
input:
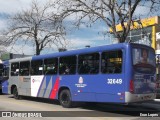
(85, 50)
(78, 51)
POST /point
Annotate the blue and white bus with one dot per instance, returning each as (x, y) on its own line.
(118, 73)
(1, 76)
(4, 74)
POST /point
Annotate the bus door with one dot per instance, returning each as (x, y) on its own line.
(24, 78)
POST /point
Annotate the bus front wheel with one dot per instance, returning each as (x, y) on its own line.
(65, 98)
(15, 93)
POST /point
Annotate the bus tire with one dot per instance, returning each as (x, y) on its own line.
(15, 93)
(65, 98)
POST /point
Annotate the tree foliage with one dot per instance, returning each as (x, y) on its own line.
(39, 26)
(110, 12)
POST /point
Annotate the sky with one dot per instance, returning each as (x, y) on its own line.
(78, 38)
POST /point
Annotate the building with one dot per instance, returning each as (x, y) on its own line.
(146, 31)
(8, 56)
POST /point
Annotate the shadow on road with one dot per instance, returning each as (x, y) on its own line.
(103, 109)
(120, 109)
(35, 99)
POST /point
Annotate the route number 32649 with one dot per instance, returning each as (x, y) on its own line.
(114, 81)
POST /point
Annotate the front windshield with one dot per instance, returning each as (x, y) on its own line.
(143, 60)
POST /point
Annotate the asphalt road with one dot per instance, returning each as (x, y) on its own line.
(49, 108)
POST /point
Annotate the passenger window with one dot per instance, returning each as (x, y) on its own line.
(88, 63)
(6, 71)
(67, 65)
(14, 69)
(36, 67)
(24, 68)
(2, 69)
(50, 66)
(111, 62)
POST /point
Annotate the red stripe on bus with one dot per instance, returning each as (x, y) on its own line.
(54, 89)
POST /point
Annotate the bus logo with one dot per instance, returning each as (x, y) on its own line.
(21, 78)
(80, 80)
(80, 83)
(33, 80)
